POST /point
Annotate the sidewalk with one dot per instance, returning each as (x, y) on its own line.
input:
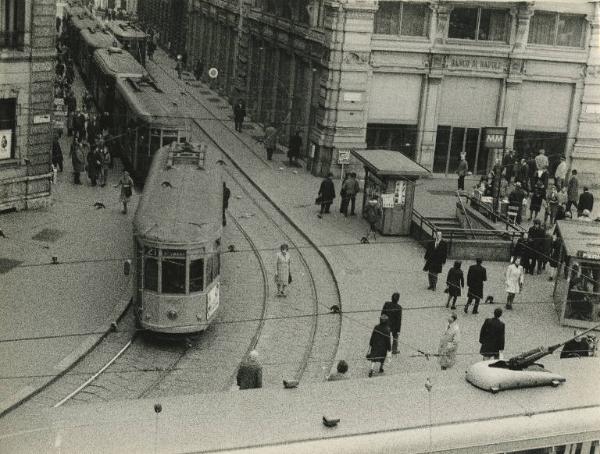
(52, 314)
(369, 274)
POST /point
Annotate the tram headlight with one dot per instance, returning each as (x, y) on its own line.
(172, 314)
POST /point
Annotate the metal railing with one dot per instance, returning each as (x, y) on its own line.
(12, 40)
(492, 215)
(426, 227)
(462, 206)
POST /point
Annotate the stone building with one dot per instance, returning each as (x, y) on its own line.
(420, 77)
(169, 19)
(27, 58)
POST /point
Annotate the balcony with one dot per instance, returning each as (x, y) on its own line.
(12, 40)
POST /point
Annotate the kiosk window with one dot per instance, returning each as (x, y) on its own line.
(197, 275)
(151, 274)
(173, 275)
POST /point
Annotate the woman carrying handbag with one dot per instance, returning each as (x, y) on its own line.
(283, 275)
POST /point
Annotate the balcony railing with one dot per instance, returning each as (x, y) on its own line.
(12, 40)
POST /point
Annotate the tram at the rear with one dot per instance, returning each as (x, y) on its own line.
(177, 235)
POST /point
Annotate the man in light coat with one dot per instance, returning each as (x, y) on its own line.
(515, 278)
(560, 174)
(449, 343)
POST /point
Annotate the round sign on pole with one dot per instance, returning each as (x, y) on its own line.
(213, 73)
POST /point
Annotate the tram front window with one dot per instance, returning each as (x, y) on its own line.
(151, 274)
(197, 275)
(173, 275)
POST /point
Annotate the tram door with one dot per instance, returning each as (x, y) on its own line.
(451, 141)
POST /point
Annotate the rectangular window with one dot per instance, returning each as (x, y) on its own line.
(555, 29)
(173, 275)
(400, 18)
(151, 274)
(12, 23)
(7, 128)
(402, 138)
(479, 24)
(197, 275)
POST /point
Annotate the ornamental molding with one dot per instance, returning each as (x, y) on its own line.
(356, 58)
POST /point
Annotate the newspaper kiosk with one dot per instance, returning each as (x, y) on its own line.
(390, 177)
(577, 286)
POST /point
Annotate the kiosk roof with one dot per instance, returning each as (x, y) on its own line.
(580, 236)
(389, 162)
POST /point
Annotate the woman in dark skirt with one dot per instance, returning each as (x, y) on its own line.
(380, 344)
(455, 281)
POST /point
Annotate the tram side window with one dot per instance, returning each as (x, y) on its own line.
(173, 275)
(151, 274)
(197, 275)
(169, 136)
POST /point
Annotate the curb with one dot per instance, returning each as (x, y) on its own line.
(71, 360)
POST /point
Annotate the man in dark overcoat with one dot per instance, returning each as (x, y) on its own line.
(239, 113)
(226, 195)
(249, 374)
(476, 276)
(393, 311)
(491, 336)
(294, 148)
(379, 344)
(435, 258)
(326, 194)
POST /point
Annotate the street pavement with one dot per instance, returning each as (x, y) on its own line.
(368, 274)
(53, 313)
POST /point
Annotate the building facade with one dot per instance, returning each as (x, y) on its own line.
(169, 19)
(27, 58)
(420, 77)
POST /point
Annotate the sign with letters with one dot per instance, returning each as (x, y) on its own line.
(343, 156)
(494, 137)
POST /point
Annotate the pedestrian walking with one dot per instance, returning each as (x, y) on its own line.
(77, 160)
(345, 198)
(536, 236)
(373, 215)
(326, 194)
(552, 204)
(239, 113)
(508, 164)
(560, 173)
(379, 344)
(555, 251)
(586, 201)
(249, 375)
(515, 199)
(294, 148)
(435, 258)
(126, 184)
(572, 191)
(449, 343)
(179, 66)
(538, 197)
(353, 189)
(226, 195)
(57, 154)
(454, 282)
(342, 368)
(563, 198)
(491, 336)
(283, 274)
(393, 311)
(198, 69)
(270, 140)
(476, 276)
(93, 165)
(515, 278)
(463, 169)
(522, 175)
(106, 161)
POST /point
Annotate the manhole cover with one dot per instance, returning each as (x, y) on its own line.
(215, 100)
(48, 235)
(8, 264)
(438, 192)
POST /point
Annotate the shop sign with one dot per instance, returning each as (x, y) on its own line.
(5, 143)
(343, 156)
(39, 119)
(387, 200)
(476, 64)
(400, 193)
(173, 253)
(494, 137)
(588, 255)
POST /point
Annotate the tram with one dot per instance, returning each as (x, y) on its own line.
(108, 65)
(177, 235)
(131, 37)
(145, 119)
(75, 25)
(91, 39)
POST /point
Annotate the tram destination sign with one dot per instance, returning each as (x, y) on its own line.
(494, 137)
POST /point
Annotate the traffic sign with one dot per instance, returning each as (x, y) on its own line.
(213, 73)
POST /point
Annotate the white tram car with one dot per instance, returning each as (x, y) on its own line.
(177, 234)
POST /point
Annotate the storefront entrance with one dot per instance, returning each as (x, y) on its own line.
(528, 143)
(451, 141)
(400, 138)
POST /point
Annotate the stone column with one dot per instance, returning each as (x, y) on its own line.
(586, 150)
(429, 120)
(342, 120)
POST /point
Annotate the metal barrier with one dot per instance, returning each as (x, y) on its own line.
(495, 217)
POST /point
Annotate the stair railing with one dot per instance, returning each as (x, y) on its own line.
(462, 206)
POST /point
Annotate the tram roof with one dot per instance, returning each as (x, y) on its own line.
(125, 29)
(118, 62)
(187, 210)
(149, 102)
(83, 22)
(97, 38)
(580, 236)
(393, 411)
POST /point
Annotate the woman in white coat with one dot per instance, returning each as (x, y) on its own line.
(282, 270)
(449, 343)
(515, 277)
